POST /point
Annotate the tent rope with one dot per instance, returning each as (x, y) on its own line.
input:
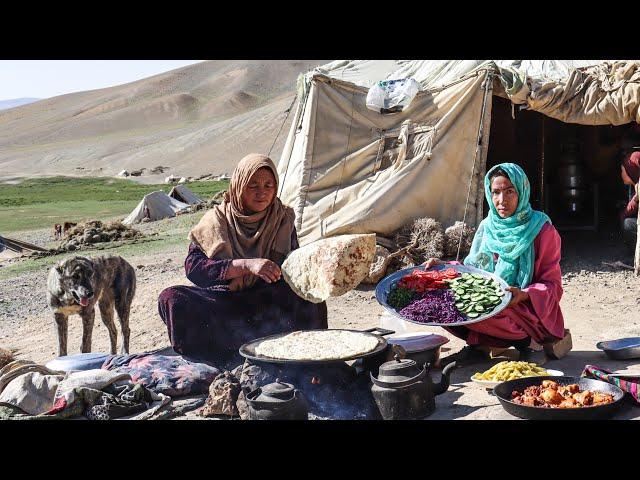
(475, 159)
(346, 153)
(283, 122)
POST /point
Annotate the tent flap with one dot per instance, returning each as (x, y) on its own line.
(604, 94)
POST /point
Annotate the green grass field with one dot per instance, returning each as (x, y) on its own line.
(40, 203)
(173, 232)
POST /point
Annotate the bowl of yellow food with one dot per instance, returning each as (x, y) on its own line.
(504, 371)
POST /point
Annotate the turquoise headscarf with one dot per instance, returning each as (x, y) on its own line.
(511, 238)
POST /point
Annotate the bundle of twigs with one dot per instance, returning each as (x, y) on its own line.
(424, 238)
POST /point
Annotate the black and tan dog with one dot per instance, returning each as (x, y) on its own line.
(76, 284)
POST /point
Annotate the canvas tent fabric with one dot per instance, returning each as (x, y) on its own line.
(602, 94)
(437, 73)
(346, 169)
(184, 195)
(346, 155)
(160, 206)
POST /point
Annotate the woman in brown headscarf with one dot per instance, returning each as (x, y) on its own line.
(234, 260)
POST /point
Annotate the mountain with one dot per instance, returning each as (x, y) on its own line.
(16, 102)
(197, 119)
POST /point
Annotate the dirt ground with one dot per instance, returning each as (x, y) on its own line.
(599, 303)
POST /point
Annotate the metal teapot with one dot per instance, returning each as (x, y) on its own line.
(404, 391)
(277, 401)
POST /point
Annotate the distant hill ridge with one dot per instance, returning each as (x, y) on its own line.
(16, 102)
(197, 119)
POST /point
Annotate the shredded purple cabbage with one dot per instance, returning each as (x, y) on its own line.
(435, 306)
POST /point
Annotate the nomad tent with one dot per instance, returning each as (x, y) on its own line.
(184, 195)
(348, 169)
(159, 204)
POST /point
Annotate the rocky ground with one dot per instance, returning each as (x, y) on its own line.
(600, 302)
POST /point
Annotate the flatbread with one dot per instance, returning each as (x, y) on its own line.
(329, 267)
(317, 345)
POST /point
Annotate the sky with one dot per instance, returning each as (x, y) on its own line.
(49, 78)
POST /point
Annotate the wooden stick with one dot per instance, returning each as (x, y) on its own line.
(636, 260)
(618, 264)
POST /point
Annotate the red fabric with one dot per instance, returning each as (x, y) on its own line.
(631, 164)
(631, 211)
(539, 317)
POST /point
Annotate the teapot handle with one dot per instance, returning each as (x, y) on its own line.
(404, 383)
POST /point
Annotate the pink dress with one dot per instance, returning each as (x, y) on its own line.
(539, 317)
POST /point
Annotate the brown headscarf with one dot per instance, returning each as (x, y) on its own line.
(227, 231)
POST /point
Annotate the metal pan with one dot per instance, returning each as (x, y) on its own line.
(386, 284)
(622, 349)
(248, 350)
(504, 389)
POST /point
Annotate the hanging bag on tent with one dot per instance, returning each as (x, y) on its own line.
(392, 95)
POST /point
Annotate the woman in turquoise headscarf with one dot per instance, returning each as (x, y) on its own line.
(521, 246)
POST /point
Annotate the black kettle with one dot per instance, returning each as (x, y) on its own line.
(277, 401)
(404, 391)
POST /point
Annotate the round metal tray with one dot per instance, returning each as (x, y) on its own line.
(248, 350)
(386, 284)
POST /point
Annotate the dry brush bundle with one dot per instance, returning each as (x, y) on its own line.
(453, 234)
(424, 238)
(6, 357)
(95, 231)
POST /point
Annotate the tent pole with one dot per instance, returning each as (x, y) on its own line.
(636, 261)
(480, 145)
(541, 198)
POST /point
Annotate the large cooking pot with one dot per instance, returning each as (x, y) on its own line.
(503, 392)
(421, 348)
(404, 391)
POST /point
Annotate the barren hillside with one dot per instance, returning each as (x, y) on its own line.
(198, 119)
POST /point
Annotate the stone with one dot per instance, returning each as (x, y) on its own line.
(329, 267)
(223, 395)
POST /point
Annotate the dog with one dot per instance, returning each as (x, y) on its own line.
(57, 231)
(76, 284)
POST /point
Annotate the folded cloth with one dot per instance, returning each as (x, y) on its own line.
(32, 391)
(628, 386)
(164, 374)
(28, 386)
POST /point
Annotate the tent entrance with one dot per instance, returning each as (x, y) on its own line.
(574, 170)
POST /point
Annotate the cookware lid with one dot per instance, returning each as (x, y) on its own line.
(419, 342)
(277, 391)
(398, 370)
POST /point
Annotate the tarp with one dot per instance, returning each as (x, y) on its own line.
(347, 173)
(603, 94)
(587, 92)
(184, 195)
(160, 206)
(437, 73)
(346, 170)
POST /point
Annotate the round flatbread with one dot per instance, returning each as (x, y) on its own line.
(317, 345)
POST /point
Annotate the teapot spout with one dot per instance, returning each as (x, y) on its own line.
(443, 386)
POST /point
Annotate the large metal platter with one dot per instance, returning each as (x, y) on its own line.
(386, 284)
(248, 350)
